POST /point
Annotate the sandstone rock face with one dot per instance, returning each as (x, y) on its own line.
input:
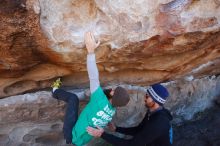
(142, 42)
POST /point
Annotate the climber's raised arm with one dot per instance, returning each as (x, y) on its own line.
(91, 45)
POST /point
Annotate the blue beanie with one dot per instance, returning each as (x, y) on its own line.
(158, 93)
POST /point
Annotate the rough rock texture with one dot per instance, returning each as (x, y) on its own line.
(142, 42)
(203, 131)
(187, 98)
(36, 118)
(191, 97)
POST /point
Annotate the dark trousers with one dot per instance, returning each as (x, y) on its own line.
(71, 114)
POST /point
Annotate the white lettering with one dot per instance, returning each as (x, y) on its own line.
(99, 122)
(100, 113)
(103, 117)
(109, 111)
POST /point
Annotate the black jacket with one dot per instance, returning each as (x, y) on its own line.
(152, 131)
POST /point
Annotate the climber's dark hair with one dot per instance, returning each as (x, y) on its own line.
(107, 93)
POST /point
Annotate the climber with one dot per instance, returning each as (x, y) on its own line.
(154, 130)
(101, 107)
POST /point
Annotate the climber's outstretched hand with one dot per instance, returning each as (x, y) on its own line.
(90, 42)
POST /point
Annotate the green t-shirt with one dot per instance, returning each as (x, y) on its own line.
(98, 112)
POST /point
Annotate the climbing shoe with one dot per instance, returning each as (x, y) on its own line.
(56, 84)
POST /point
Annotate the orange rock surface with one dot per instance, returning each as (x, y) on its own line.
(142, 42)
